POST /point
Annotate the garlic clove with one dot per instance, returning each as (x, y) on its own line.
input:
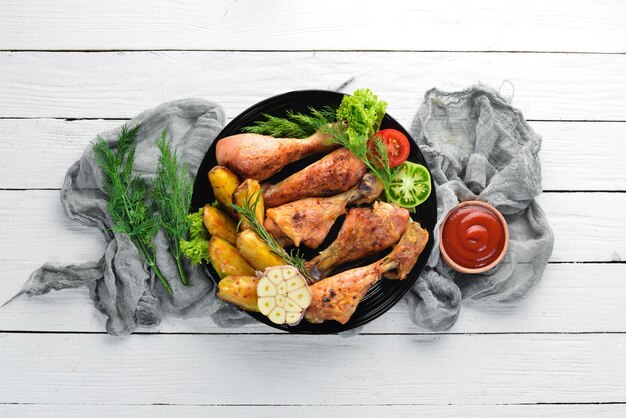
(293, 318)
(291, 306)
(295, 283)
(277, 315)
(266, 304)
(302, 297)
(265, 288)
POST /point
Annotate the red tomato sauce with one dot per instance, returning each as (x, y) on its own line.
(473, 236)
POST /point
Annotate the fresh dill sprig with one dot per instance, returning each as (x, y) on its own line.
(171, 194)
(294, 125)
(378, 161)
(128, 196)
(248, 211)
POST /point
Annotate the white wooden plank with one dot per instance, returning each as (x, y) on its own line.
(588, 227)
(34, 230)
(288, 369)
(33, 222)
(36, 153)
(575, 155)
(120, 85)
(582, 156)
(366, 24)
(570, 298)
(339, 411)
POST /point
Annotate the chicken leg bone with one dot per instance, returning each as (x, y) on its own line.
(309, 220)
(364, 232)
(259, 157)
(337, 297)
(335, 173)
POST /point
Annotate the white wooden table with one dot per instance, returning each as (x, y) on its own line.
(70, 68)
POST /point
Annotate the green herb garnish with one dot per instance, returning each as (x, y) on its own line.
(248, 211)
(294, 125)
(360, 116)
(363, 113)
(196, 248)
(377, 161)
(171, 194)
(128, 195)
(352, 126)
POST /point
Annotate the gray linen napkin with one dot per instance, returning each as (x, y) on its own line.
(474, 142)
(477, 146)
(119, 284)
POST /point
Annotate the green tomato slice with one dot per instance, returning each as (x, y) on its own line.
(410, 185)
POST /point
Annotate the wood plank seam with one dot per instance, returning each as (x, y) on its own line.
(372, 334)
(271, 405)
(424, 51)
(122, 120)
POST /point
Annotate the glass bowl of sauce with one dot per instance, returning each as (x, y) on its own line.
(474, 237)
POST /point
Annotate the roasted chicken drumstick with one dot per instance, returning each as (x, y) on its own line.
(337, 297)
(364, 232)
(259, 157)
(335, 173)
(308, 220)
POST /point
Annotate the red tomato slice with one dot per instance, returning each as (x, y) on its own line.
(398, 147)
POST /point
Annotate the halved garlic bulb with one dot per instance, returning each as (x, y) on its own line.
(283, 294)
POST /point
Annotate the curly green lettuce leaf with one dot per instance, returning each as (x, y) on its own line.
(196, 248)
(363, 113)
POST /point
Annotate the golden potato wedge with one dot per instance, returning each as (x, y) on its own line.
(256, 252)
(219, 224)
(224, 182)
(226, 259)
(250, 189)
(240, 291)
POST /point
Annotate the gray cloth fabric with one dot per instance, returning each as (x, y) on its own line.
(479, 147)
(120, 285)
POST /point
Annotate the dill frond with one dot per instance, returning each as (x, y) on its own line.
(171, 194)
(128, 196)
(293, 125)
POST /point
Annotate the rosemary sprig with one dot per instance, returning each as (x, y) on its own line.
(128, 195)
(171, 195)
(248, 212)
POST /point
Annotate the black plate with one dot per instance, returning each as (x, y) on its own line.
(385, 293)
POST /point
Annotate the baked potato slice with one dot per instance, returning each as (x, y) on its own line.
(226, 259)
(256, 252)
(224, 182)
(219, 224)
(250, 190)
(240, 291)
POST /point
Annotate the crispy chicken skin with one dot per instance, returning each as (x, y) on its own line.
(337, 297)
(259, 157)
(337, 172)
(278, 233)
(364, 232)
(308, 220)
